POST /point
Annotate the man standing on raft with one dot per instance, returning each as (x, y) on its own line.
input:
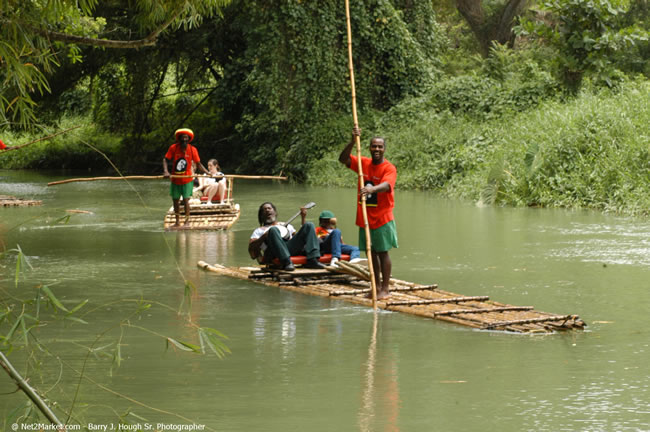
(379, 177)
(181, 155)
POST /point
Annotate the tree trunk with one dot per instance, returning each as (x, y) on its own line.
(497, 27)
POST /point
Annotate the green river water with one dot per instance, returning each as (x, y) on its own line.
(303, 363)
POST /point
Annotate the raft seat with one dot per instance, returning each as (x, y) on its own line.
(302, 260)
(215, 199)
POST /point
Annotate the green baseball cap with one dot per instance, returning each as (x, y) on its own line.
(326, 214)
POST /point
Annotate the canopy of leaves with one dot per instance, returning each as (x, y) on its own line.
(36, 36)
(589, 35)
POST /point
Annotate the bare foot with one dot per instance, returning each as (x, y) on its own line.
(187, 222)
(380, 295)
(176, 225)
(383, 294)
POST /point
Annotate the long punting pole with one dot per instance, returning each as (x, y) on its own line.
(230, 176)
(357, 138)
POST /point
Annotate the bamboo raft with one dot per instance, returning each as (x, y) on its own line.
(205, 217)
(350, 283)
(10, 201)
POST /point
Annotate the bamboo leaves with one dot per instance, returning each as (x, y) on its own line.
(50, 295)
(213, 339)
(210, 340)
(21, 261)
(183, 346)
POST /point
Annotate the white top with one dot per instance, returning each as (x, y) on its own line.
(210, 180)
(259, 232)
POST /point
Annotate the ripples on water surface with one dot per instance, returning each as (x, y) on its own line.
(307, 363)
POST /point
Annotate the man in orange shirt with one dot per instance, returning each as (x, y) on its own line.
(379, 178)
(181, 155)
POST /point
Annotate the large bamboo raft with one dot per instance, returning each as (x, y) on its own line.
(11, 201)
(350, 283)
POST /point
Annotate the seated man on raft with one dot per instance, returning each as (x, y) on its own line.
(273, 240)
(331, 241)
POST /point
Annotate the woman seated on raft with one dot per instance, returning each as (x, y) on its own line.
(209, 186)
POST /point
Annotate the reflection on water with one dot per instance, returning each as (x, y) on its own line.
(208, 246)
(605, 243)
(307, 363)
(380, 399)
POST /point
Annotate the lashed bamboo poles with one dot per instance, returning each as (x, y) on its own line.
(357, 138)
(142, 177)
(477, 312)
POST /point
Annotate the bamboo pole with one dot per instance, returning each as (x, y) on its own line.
(40, 139)
(29, 391)
(355, 119)
(157, 177)
(438, 301)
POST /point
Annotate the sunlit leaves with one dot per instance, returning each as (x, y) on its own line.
(589, 35)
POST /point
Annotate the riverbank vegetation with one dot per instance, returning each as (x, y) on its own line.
(591, 151)
(538, 104)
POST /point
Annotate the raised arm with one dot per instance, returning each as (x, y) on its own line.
(202, 168)
(344, 157)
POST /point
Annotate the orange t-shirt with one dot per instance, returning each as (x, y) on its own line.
(182, 162)
(379, 206)
(322, 232)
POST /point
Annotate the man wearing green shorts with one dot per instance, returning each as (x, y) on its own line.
(181, 155)
(379, 178)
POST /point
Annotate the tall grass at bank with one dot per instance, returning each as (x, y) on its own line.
(589, 152)
(69, 150)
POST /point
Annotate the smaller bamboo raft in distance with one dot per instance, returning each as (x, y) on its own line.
(10, 201)
(349, 283)
(204, 217)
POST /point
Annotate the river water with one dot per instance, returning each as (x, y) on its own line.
(305, 363)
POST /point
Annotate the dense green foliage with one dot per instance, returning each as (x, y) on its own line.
(590, 152)
(39, 35)
(590, 37)
(265, 87)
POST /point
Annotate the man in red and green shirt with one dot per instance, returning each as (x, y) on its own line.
(379, 178)
(182, 155)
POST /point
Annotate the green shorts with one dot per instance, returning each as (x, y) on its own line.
(185, 190)
(382, 239)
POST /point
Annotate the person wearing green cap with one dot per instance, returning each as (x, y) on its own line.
(331, 241)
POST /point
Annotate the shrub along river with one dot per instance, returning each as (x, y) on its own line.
(305, 363)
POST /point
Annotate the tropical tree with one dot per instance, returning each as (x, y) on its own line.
(590, 36)
(36, 36)
(491, 21)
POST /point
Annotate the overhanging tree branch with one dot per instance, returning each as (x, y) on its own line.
(150, 40)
